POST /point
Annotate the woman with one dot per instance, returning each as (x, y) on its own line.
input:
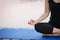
(52, 28)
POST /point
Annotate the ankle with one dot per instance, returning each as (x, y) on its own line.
(56, 30)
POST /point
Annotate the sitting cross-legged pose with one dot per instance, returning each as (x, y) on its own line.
(52, 28)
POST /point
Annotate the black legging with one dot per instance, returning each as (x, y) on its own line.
(44, 28)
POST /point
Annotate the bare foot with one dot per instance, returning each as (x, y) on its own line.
(50, 34)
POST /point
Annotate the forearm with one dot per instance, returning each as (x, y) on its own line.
(42, 17)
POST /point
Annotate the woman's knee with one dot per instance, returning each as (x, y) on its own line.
(37, 27)
(44, 28)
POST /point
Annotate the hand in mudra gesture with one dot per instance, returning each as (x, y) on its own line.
(32, 22)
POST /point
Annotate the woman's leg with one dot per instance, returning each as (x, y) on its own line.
(56, 32)
(44, 28)
(47, 29)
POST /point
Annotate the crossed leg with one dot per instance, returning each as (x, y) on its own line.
(47, 29)
(56, 32)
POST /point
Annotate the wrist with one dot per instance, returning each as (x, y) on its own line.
(38, 21)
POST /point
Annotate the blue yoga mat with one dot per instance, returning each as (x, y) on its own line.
(24, 34)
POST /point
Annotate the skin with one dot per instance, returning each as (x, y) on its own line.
(56, 1)
(46, 13)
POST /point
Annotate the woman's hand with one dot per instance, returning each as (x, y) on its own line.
(32, 22)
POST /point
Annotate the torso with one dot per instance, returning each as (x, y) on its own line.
(55, 13)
